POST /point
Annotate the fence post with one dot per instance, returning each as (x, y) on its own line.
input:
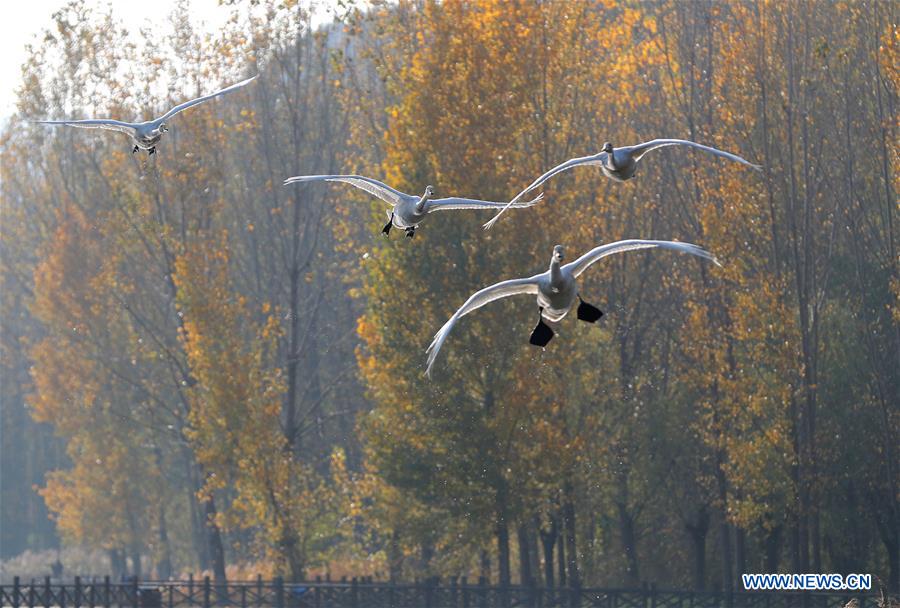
(464, 583)
(279, 592)
(259, 589)
(106, 601)
(31, 594)
(15, 592)
(48, 595)
(482, 592)
(190, 588)
(354, 593)
(134, 591)
(317, 591)
(206, 590)
(77, 599)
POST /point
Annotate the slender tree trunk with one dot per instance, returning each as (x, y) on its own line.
(164, 567)
(627, 535)
(524, 543)
(697, 531)
(568, 511)
(548, 541)
(214, 538)
(395, 558)
(724, 529)
(773, 542)
(485, 565)
(561, 558)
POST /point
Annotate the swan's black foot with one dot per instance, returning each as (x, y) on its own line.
(152, 151)
(542, 333)
(588, 313)
(135, 149)
(386, 231)
(410, 232)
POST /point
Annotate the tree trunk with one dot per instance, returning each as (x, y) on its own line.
(548, 540)
(561, 558)
(725, 530)
(395, 558)
(524, 555)
(773, 541)
(214, 539)
(569, 524)
(627, 536)
(164, 567)
(502, 524)
(485, 565)
(697, 531)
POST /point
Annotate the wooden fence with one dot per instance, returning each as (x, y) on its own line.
(205, 593)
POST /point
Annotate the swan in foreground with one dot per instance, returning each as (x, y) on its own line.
(619, 163)
(556, 290)
(407, 211)
(145, 135)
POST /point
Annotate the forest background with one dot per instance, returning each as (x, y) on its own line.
(204, 370)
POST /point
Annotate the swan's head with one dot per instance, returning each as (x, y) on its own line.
(607, 147)
(429, 191)
(163, 128)
(558, 254)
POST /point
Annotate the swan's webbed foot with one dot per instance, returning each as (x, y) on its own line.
(542, 333)
(386, 231)
(152, 151)
(410, 232)
(588, 313)
(135, 149)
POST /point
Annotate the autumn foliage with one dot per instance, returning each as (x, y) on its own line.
(235, 368)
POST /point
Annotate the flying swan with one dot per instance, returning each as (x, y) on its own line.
(145, 135)
(619, 164)
(556, 290)
(407, 211)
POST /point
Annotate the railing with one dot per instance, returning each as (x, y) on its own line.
(365, 593)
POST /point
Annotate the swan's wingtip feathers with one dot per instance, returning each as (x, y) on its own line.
(535, 200)
(490, 223)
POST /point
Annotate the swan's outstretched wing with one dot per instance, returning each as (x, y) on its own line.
(184, 106)
(372, 186)
(442, 204)
(95, 123)
(581, 264)
(477, 300)
(639, 150)
(595, 159)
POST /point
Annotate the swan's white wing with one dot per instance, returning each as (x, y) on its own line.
(639, 150)
(372, 186)
(596, 159)
(193, 102)
(442, 204)
(95, 123)
(581, 264)
(477, 300)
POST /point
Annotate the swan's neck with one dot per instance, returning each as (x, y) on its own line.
(555, 273)
(420, 206)
(611, 160)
